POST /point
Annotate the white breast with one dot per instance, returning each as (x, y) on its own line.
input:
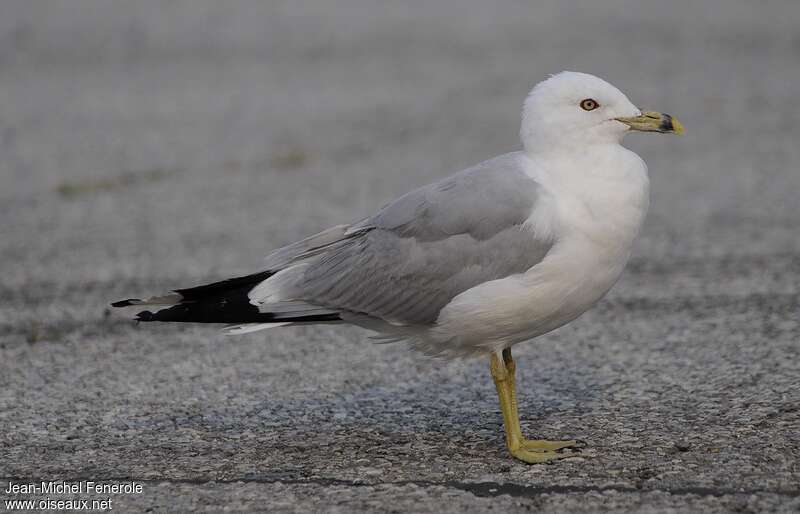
(594, 205)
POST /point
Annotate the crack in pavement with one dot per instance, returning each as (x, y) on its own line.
(479, 489)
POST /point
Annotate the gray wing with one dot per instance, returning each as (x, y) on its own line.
(407, 262)
(305, 248)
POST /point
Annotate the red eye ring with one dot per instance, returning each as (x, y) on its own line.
(589, 104)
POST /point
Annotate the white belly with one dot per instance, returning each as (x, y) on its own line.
(500, 313)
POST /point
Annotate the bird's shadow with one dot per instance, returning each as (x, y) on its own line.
(435, 407)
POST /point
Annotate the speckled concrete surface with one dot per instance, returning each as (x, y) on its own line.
(145, 146)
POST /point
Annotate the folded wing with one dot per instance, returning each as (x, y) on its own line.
(404, 264)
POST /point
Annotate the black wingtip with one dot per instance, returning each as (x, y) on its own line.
(227, 301)
(145, 316)
(126, 303)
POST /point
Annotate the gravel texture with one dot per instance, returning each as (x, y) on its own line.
(151, 145)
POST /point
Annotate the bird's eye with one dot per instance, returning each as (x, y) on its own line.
(589, 104)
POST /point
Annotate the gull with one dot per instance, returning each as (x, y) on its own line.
(491, 256)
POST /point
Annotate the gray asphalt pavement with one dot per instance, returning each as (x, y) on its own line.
(151, 145)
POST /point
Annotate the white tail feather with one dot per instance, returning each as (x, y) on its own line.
(236, 330)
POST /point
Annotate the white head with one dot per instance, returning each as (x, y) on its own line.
(579, 109)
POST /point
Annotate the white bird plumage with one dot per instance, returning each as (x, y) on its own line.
(491, 256)
(589, 200)
(496, 254)
(594, 197)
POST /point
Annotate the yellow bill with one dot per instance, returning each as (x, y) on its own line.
(651, 121)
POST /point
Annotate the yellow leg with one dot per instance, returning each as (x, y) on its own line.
(532, 451)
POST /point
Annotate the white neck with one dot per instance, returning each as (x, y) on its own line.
(602, 191)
